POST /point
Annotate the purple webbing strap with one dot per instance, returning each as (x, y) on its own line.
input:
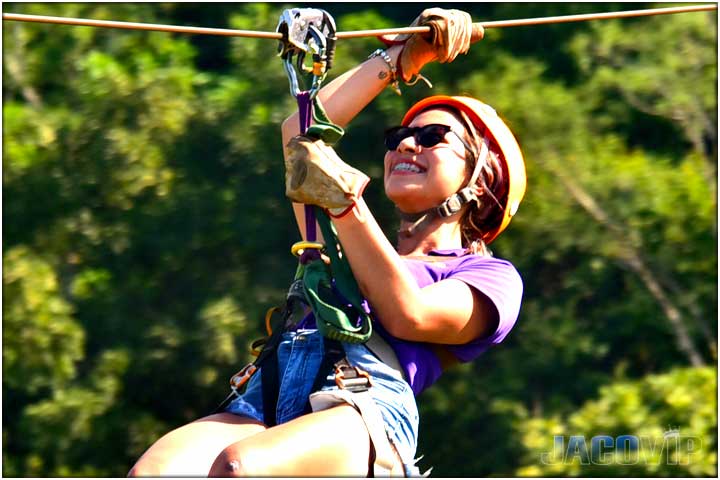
(305, 113)
(305, 110)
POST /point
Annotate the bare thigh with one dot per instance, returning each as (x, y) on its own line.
(191, 449)
(331, 442)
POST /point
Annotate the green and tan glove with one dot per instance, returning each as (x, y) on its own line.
(315, 175)
(451, 35)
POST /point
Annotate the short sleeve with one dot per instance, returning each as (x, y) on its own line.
(501, 283)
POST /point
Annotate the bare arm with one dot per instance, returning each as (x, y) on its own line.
(447, 312)
(343, 99)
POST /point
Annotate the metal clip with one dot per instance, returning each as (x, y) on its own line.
(351, 378)
(299, 247)
(241, 378)
(455, 202)
(306, 31)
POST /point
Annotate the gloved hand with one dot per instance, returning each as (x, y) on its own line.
(451, 35)
(315, 175)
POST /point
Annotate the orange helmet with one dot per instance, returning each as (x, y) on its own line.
(485, 118)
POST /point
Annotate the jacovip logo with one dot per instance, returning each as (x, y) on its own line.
(670, 449)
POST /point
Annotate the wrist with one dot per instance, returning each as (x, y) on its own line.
(390, 69)
(357, 211)
(341, 212)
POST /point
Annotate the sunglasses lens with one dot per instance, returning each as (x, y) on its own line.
(430, 135)
(427, 136)
(395, 135)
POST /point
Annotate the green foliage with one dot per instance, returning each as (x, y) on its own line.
(146, 230)
(682, 399)
(41, 340)
(638, 61)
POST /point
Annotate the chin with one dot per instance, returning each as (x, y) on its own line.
(410, 203)
(411, 200)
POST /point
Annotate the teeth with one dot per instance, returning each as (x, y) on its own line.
(407, 167)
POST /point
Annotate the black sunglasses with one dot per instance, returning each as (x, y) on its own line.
(427, 136)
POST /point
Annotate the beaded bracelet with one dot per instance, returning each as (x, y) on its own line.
(394, 83)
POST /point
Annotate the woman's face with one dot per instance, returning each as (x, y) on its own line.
(418, 178)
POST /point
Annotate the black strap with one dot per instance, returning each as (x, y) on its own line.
(268, 352)
(267, 362)
(265, 354)
(270, 389)
(334, 352)
(269, 371)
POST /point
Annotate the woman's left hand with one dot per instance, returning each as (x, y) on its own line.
(315, 175)
(452, 31)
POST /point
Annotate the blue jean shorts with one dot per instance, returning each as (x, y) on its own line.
(299, 356)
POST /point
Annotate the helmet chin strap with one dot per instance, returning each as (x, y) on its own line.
(451, 205)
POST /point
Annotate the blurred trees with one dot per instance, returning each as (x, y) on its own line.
(146, 230)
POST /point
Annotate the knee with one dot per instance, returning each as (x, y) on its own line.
(229, 463)
(150, 465)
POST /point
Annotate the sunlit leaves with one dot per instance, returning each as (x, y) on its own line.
(42, 341)
(222, 320)
(73, 416)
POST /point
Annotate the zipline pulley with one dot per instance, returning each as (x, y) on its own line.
(306, 31)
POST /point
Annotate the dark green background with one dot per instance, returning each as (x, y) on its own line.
(145, 230)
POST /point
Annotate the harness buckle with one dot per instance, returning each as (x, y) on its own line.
(241, 378)
(351, 378)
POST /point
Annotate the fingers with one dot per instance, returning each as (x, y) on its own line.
(315, 175)
(452, 32)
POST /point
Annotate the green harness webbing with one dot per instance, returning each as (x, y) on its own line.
(332, 291)
(323, 128)
(338, 309)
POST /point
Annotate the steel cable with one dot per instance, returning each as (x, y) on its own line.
(350, 34)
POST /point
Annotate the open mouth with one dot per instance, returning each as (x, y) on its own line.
(407, 167)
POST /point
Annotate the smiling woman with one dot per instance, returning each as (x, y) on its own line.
(456, 174)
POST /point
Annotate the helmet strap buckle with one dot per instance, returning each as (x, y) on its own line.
(454, 203)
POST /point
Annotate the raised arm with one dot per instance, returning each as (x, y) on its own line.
(343, 99)
(348, 94)
(448, 311)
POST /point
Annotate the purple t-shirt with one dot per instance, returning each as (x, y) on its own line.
(494, 277)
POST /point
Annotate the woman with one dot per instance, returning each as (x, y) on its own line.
(455, 173)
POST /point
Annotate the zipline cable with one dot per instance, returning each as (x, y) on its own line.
(540, 21)
(350, 34)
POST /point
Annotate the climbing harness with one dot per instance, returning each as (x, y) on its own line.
(323, 282)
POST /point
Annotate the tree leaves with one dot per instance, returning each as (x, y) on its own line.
(146, 231)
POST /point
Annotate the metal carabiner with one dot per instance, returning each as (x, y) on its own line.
(306, 31)
(299, 247)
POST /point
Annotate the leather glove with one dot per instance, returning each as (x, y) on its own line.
(315, 175)
(450, 36)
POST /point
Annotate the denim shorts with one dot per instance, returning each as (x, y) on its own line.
(299, 356)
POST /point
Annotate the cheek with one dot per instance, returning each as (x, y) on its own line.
(386, 163)
(454, 174)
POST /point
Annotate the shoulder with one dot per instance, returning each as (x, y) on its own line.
(485, 269)
(500, 282)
